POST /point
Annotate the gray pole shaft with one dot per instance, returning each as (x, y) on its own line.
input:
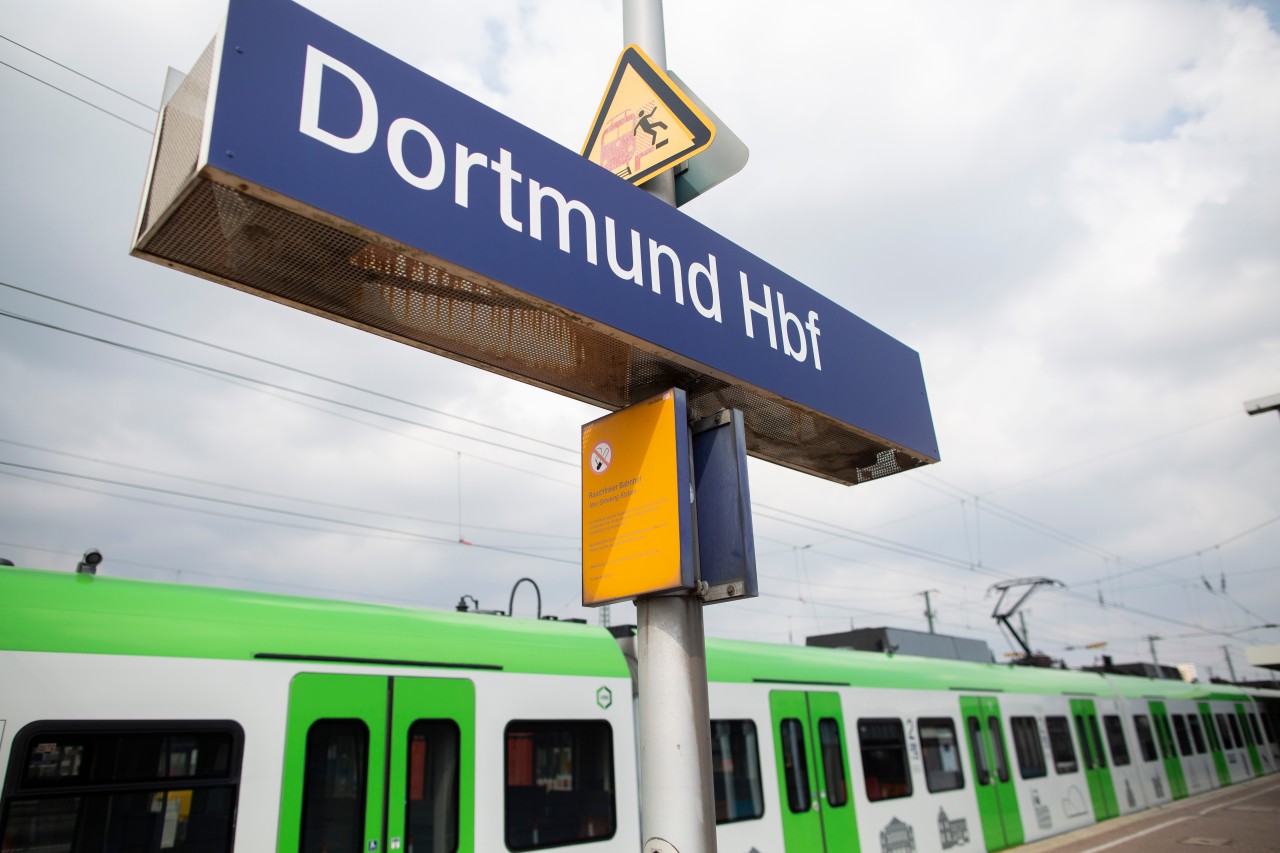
(1151, 640)
(676, 801)
(928, 610)
(1226, 650)
(643, 26)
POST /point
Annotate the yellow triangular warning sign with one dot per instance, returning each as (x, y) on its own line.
(645, 124)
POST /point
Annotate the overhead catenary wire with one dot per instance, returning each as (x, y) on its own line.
(362, 593)
(87, 103)
(373, 531)
(281, 496)
(1076, 542)
(880, 542)
(506, 465)
(174, 359)
(825, 527)
(359, 526)
(995, 509)
(79, 74)
(291, 368)
(989, 506)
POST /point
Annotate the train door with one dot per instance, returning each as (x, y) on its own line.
(1267, 729)
(1249, 741)
(374, 763)
(1260, 737)
(997, 799)
(1102, 790)
(1215, 745)
(1172, 764)
(812, 757)
(1233, 744)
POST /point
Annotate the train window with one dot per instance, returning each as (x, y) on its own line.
(1227, 743)
(832, 748)
(1064, 754)
(735, 770)
(431, 806)
(977, 746)
(997, 748)
(334, 786)
(147, 787)
(941, 754)
(1266, 729)
(1115, 740)
(884, 758)
(1196, 736)
(1184, 739)
(1235, 730)
(1146, 741)
(795, 766)
(1026, 744)
(1257, 732)
(559, 783)
(1084, 743)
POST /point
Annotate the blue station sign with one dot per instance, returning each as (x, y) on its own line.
(332, 176)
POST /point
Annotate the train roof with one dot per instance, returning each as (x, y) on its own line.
(742, 661)
(44, 611)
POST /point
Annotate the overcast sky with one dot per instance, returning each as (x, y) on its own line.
(1069, 209)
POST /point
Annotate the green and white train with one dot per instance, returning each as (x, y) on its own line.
(140, 716)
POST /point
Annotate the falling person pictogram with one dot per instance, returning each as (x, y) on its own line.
(651, 127)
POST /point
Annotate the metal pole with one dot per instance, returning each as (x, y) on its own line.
(677, 809)
(676, 803)
(1022, 620)
(1151, 640)
(1226, 650)
(928, 609)
(642, 25)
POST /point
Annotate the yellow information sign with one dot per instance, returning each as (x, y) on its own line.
(637, 517)
(645, 124)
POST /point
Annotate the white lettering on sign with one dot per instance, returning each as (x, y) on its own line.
(786, 320)
(309, 123)
(395, 150)
(537, 192)
(661, 269)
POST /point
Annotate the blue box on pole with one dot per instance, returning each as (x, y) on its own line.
(722, 507)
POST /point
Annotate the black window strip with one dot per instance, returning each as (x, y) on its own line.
(16, 777)
(790, 681)
(105, 737)
(375, 661)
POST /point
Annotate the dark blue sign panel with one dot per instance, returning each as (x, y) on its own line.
(308, 111)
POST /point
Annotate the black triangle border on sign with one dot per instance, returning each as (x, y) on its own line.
(670, 96)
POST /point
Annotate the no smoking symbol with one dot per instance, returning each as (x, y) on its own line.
(601, 457)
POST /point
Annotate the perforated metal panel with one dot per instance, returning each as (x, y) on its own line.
(214, 226)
